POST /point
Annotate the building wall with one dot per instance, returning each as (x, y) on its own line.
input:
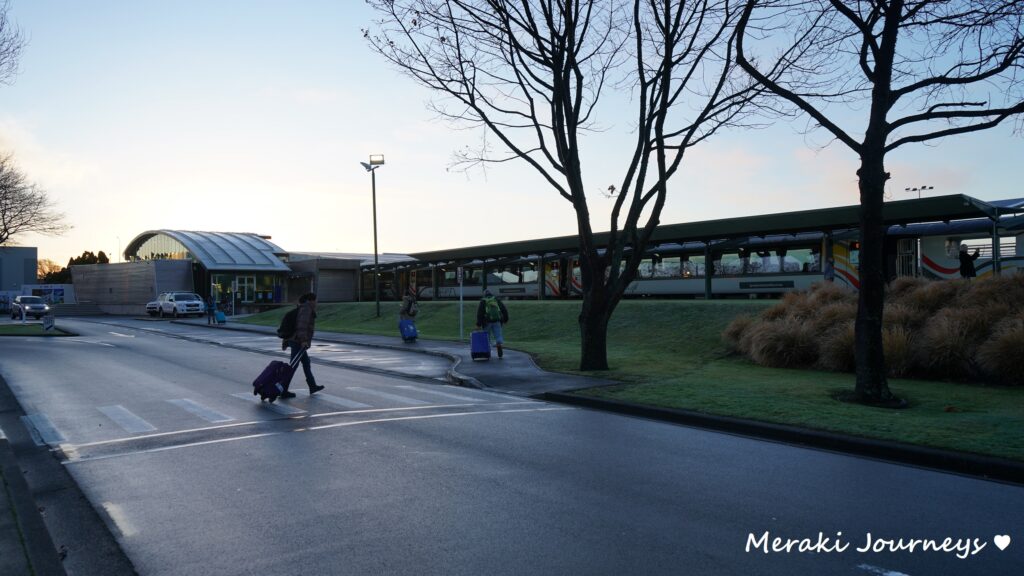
(130, 283)
(334, 279)
(18, 266)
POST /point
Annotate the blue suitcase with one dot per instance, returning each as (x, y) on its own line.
(220, 317)
(479, 345)
(408, 330)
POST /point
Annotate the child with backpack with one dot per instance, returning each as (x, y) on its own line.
(491, 314)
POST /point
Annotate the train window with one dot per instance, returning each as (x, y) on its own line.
(729, 264)
(693, 267)
(528, 273)
(645, 270)
(667, 268)
(800, 260)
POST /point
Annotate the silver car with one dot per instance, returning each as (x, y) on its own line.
(33, 306)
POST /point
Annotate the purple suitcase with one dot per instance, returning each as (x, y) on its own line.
(270, 383)
(479, 345)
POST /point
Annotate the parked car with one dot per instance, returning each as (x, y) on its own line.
(33, 306)
(176, 304)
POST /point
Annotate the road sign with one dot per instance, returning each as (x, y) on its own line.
(48, 322)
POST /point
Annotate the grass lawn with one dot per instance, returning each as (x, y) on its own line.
(669, 353)
(29, 330)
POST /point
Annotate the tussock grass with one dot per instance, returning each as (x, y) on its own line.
(935, 329)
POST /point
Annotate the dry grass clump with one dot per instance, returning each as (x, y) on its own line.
(787, 343)
(835, 348)
(733, 334)
(1000, 356)
(899, 350)
(833, 314)
(900, 287)
(948, 329)
(931, 297)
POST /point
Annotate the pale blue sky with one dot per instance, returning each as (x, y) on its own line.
(252, 116)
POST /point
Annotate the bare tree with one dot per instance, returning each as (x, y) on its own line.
(915, 71)
(532, 72)
(24, 207)
(11, 44)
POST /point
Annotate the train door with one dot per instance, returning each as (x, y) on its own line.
(906, 257)
(552, 279)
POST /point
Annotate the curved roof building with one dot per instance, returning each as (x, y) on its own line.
(215, 251)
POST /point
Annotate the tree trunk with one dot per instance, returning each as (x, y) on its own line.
(593, 319)
(872, 386)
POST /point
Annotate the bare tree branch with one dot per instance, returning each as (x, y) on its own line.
(24, 207)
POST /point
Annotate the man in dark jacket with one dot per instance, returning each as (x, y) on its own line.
(300, 341)
(967, 262)
(491, 314)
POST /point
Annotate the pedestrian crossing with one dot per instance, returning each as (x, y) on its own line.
(244, 406)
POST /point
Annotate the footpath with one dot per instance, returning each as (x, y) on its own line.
(24, 542)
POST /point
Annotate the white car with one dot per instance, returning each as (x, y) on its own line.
(33, 306)
(176, 304)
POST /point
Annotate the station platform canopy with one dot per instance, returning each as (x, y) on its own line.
(901, 212)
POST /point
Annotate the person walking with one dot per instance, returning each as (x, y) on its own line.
(300, 341)
(211, 310)
(829, 270)
(491, 315)
(407, 317)
(967, 262)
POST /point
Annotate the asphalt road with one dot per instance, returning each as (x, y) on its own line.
(386, 475)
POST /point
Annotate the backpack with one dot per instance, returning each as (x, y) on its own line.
(289, 324)
(491, 310)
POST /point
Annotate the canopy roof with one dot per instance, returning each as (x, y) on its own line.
(934, 209)
(242, 251)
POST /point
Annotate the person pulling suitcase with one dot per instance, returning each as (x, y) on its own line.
(491, 315)
(299, 342)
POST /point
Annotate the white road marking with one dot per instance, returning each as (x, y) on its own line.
(387, 396)
(324, 427)
(443, 394)
(275, 406)
(125, 419)
(208, 414)
(42, 430)
(332, 399)
(123, 335)
(120, 520)
(880, 571)
(81, 341)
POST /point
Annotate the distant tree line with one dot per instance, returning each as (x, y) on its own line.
(51, 273)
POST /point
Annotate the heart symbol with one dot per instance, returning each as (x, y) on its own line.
(1002, 541)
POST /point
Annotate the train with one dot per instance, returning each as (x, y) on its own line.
(751, 266)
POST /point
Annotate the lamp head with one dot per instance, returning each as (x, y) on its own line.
(367, 166)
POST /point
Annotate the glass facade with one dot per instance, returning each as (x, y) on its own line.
(161, 247)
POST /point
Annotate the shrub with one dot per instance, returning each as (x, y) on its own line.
(901, 287)
(787, 343)
(1000, 356)
(733, 333)
(898, 347)
(936, 295)
(903, 316)
(1002, 291)
(948, 342)
(835, 348)
(824, 293)
(832, 315)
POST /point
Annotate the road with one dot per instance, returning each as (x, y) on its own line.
(391, 475)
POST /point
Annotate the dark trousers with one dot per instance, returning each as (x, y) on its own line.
(297, 349)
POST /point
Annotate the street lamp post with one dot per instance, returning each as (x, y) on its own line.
(919, 190)
(376, 161)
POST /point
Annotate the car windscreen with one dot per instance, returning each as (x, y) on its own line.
(31, 300)
(185, 297)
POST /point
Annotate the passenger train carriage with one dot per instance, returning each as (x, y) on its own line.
(751, 256)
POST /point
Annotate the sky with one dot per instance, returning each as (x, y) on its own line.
(253, 116)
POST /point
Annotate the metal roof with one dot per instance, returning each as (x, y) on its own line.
(933, 209)
(241, 251)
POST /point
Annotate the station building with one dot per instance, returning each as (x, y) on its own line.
(243, 272)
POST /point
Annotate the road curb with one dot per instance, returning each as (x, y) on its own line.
(38, 545)
(978, 466)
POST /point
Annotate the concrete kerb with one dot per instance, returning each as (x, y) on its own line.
(974, 465)
(40, 554)
(452, 376)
